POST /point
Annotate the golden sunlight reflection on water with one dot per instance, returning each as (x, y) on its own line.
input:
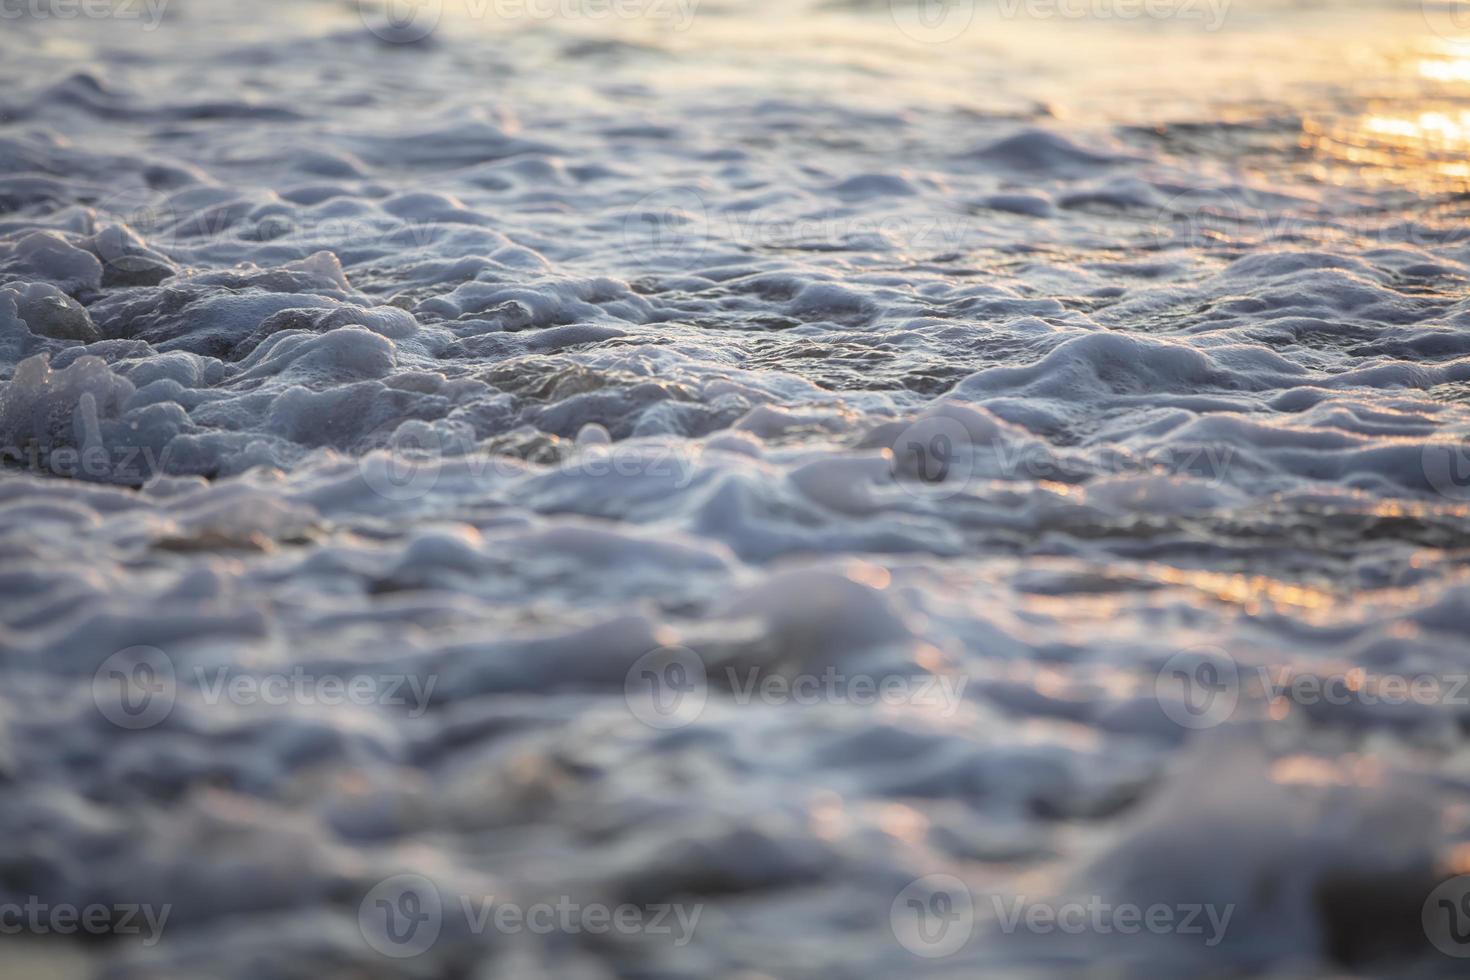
(1382, 99)
(1410, 127)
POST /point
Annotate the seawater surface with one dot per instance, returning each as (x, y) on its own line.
(866, 479)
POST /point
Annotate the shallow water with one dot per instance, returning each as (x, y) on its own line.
(845, 474)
